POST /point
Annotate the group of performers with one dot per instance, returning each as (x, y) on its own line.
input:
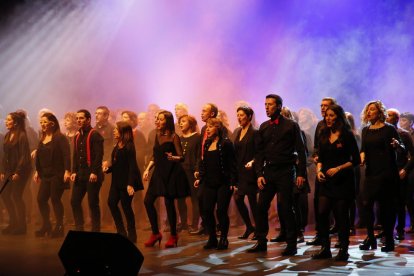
(211, 167)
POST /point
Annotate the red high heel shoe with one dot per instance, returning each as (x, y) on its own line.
(153, 240)
(172, 241)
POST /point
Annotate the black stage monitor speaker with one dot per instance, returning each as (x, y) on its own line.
(91, 253)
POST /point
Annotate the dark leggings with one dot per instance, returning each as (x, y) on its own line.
(51, 188)
(340, 208)
(152, 213)
(116, 195)
(220, 196)
(241, 206)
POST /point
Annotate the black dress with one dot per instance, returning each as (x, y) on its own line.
(169, 178)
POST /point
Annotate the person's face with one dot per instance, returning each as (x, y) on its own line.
(100, 116)
(205, 112)
(45, 124)
(324, 105)
(67, 123)
(160, 122)
(125, 117)
(81, 120)
(330, 118)
(142, 117)
(180, 111)
(242, 118)
(184, 124)
(271, 107)
(372, 113)
(392, 117)
(405, 123)
(211, 130)
(9, 122)
(116, 134)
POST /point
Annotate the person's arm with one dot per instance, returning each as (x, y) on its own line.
(23, 154)
(96, 153)
(178, 157)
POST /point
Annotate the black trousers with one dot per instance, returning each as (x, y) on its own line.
(80, 188)
(51, 187)
(216, 197)
(152, 213)
(340, 209)
(117, 194)
(300, 206)
(242, 208)
(279, 180)
(13, 201)
(403, 198)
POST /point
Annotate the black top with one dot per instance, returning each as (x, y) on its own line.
(53, 158)
(380, 156)
(16, 158)
(80, 154)
(140, 148)
(124, 168)
(107, 132)
(168, 178)
(225, 169)
(319, 126)
(403, 161)
(191, 149)
(332, 155)
(212, 178)
(245, 150)
(280, 144)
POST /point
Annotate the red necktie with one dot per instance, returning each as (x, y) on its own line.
(275, 121)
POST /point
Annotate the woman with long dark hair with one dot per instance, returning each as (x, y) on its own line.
(126, 179)
(380, 140)
(168, 179)
(53, 172)
(244, 144)
(16, 168)
(338, 154)
(217, 181)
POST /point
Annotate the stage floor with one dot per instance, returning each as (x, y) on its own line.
(28, 255)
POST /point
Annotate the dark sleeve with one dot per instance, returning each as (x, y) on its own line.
(408, 142)
(24, 154)
(231, 159)
(353, 148)
(258, 157)
(97, 149)
(363, 135)
(75, 165)
(63, 144)
(134, 177)
(37, 163)
(316, 139)
(178, 147)
(300, 149)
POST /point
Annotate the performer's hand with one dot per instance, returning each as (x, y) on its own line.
(33, 154)
(395, 143)
(300, 181)
(130, 190)
(93, 178)
(36, 177)
(196, 175)
(261, 182)
(73, 177)
(249, 165)
(320, 176)
(402, 173)
(233, 188)
(196, 183)
(332, 171)
(145, 175)
(362, 156)
(66, 176)
(315, 159)
(1, 176)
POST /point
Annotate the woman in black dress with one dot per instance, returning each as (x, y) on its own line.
(380, 140)
(168, 179)
(244, 145)
(126, 180)
(16, 167)
(217, 181)
(53, 171)
(338, 154)
(190, 142)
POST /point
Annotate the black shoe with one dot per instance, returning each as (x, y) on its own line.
(280, 238)
(342, 255)
(223, 244)
(300, 238)
(211, 244)
(254, 238)
(247, 233)
(400, 236)
(379, 235)
(58, 232)
(200, 231)
(289, 251)
(44, 231)
(338, 244)
(333, 229)
(367, 243)
(323, 253)
(315, 241)
(258, 247)
(388, 247)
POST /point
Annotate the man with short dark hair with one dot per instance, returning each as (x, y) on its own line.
(87, 172)
(279, 147)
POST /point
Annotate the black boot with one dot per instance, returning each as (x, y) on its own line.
(342, 254)
(211, 243)
(367, 243)
(315, 241)
(247, 233)
(223, 243)
(280, 238)
(260, 246)
(324, 252)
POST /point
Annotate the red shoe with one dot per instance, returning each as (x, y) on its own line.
(153, 240)
(172, 241)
